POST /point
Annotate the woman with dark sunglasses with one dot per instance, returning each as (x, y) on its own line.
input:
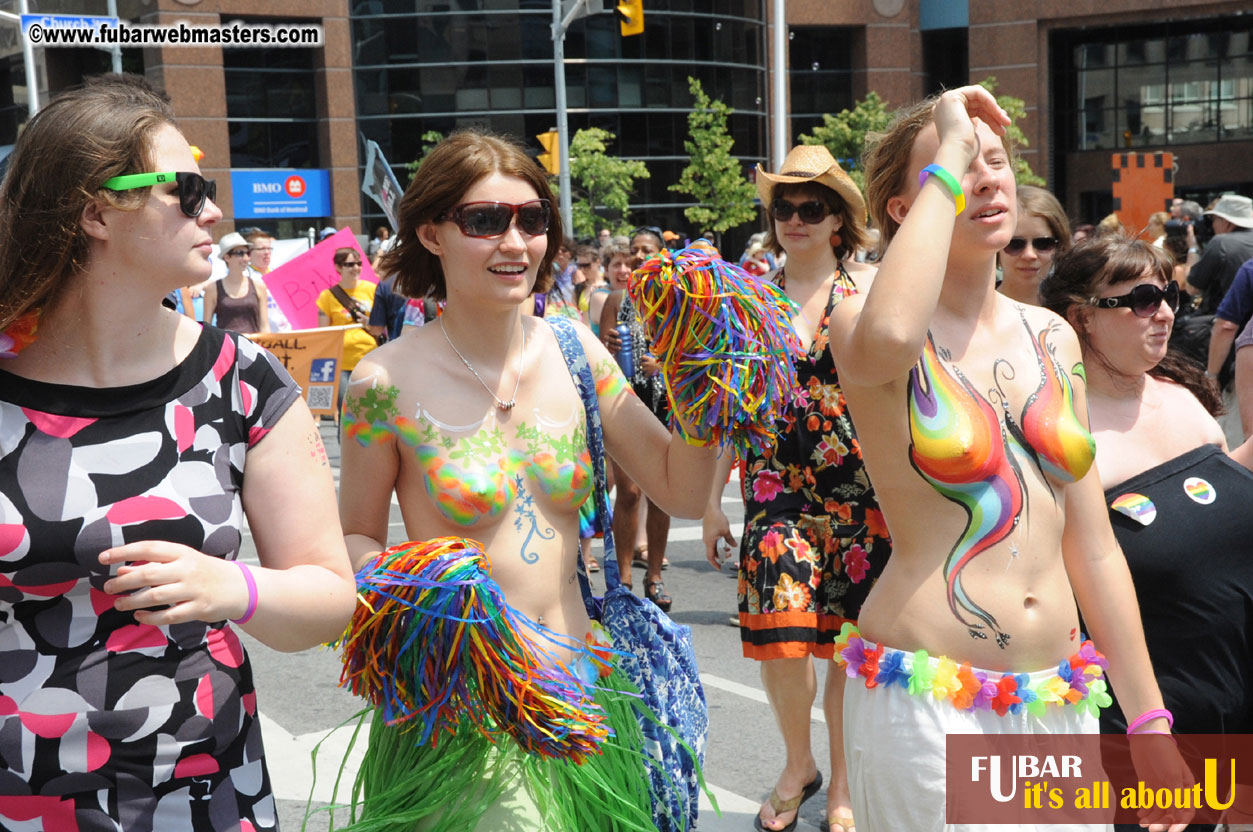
(135, 441)
(1177, 502)
(814, 540)
(971, 416)
(349, 301)
(239, 301)
(476, 426)
(1042, 232)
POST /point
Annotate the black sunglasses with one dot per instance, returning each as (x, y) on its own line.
(348, 264)
(812, 212)
(1017, 245)
(237, 252)
(491, 219)
(193, 189)
(1144, 299)
(648, 229)
(586, 265)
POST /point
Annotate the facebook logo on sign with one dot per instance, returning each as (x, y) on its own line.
(322, 369)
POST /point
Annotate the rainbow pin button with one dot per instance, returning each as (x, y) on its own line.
(1136, 506)
(1199, 490)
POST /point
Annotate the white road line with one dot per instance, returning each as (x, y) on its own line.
(711, 681)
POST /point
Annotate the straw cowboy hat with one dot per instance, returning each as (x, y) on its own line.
(1235, 209)
(814, 163)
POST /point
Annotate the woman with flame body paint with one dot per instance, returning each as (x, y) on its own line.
(982, 459)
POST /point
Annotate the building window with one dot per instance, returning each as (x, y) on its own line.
(271, 108)
(820, 73)
(1156, 86)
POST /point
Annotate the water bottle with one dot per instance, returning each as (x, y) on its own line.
(626, 353)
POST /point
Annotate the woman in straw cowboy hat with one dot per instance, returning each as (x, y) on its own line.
(814, 540)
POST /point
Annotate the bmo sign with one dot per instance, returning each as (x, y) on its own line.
(276, 194)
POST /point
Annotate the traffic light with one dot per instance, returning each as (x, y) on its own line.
(550, 159)
(632, 21)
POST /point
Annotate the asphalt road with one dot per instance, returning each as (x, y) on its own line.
(301, 704)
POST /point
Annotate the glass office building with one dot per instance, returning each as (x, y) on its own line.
(423, 65)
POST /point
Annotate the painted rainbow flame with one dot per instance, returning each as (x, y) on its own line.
(957, 445)
(1064, 448)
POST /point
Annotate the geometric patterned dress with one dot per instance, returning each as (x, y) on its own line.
(106, 723)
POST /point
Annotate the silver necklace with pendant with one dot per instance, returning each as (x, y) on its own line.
(503, 405)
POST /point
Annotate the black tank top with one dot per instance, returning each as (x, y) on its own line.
(1193, 571)
(239, 314)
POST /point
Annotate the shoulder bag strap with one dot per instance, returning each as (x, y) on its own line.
(576, 360)
(350, 305)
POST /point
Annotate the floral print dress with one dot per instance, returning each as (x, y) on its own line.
(814, 538)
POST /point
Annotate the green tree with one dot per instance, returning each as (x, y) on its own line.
(713, 177)
(844, 133)
(429, 139)
(601, 184)
(1017, 110)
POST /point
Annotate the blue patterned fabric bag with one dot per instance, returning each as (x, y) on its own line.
(657, 653)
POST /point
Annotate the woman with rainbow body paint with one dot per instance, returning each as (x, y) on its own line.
(477, 427)
(978, 447)
(1177, 502)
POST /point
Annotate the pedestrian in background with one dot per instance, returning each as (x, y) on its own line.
(347, 302)
(128, 462)
(1042, 231)
(239, 300)
(814, 539)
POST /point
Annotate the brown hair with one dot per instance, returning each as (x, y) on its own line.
(82, 138)
(1096, 262)
(886, 163)
(342, 254)
(451, 169)
(1039, 202)
(852, 237)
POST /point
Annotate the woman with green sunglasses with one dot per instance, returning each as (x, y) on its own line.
(134, 443)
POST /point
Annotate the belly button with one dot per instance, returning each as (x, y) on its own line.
(1029, 602)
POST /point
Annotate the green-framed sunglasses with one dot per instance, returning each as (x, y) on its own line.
(193, 189)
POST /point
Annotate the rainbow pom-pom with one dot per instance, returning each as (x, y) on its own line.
(725, 342)
(433, 643)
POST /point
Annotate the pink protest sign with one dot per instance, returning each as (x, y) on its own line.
(296, 284)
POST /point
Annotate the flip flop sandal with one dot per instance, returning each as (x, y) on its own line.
(792, 804)
(593, 565)
(640, 557)
(844, 822)
(655, 591)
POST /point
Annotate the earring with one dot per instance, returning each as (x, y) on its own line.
(836, 239)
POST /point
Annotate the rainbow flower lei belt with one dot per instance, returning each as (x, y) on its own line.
(1078, 681)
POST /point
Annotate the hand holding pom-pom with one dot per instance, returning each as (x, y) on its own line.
(725, 341)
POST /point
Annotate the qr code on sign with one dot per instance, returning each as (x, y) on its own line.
(321, 397)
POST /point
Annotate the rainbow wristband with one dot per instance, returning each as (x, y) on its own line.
(1148, 716)
(252, 593)
(948, 179)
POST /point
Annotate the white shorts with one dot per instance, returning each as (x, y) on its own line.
(894, 744)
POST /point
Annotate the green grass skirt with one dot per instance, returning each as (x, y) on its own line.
(467, 783)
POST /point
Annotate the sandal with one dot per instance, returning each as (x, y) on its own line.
(593, 565)
(655, 591)
(844, 823)
(640, 557)
(792, 804)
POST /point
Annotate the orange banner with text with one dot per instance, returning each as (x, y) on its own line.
(313, 357)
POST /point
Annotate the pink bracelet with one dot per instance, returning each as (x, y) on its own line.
(1148, 716)
(252, 593)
